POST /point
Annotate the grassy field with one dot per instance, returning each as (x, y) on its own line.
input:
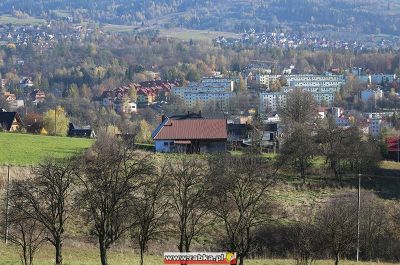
(88, 255)
(178, 33)
(7, 19)
(187, 34)
(26, 149)
(118, 28)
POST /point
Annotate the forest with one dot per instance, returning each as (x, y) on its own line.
(370, 17)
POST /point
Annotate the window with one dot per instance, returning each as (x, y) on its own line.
(165, 144)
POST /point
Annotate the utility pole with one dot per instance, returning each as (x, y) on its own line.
(7, 205)
(358, 216)
(55, 121)
(398, 148)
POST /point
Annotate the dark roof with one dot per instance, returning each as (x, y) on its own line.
(192, 129)
(186, 116)
(79, 132)
(7, 119)
(237, 131)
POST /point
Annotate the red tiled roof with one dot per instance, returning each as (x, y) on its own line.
(195, 129)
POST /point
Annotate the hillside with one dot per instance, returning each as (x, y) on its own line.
(372, 16)
(26, 149)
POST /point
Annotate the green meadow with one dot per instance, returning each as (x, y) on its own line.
(26, 149)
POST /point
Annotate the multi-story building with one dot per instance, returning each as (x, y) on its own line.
(375, 126)
(369, 94)
(210, 90)
(217, 82)
(382, 78)
(125, 106)
(264, 80)
(315, 80)
(272, 101)
(202, 98)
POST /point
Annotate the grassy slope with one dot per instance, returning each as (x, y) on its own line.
(88, 255)
(7, 19)
(26, 149)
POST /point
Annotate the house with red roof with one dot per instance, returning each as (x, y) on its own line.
(191, 134)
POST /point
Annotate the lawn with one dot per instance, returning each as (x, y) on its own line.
(27, 149)
(7, 19)
(85, 254)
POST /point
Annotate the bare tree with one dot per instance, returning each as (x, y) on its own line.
(337, 225)
(109, 174)
(300, 108)
(299, 123)
(240, 198)
(46, 199)
(334, 143)
(306, 242)
(188, 196)
(150, 210)
(25, 233)
(374, 222)
(298, 150)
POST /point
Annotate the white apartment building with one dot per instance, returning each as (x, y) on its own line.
(314, 78)
(203, 98)
(272, 101)
(262, 80)
(210, 90)
(217, 82)
(369, 94)
(379, 78)
(315, 83)
(265, 79)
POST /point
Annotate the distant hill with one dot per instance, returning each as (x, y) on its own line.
(364, 16)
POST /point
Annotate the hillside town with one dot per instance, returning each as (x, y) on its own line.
(267, 91)
(199, 132)
(312, 41)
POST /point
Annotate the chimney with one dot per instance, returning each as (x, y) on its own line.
(200, 113)
(162, 118)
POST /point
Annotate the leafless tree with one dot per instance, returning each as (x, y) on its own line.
(25, 233)
(298, 150)
(334, 143)
(150, 210)
(240, 198)
(109, 175)
(374, 224)
(299, 124)
(306, 242)
(45, 199)
(188, 196)
(337, 225)
(300, 108)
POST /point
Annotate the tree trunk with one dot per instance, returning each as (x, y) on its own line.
(180, 246)
(337, 259)
(58, 247)
(187, 245)
(241, 260)
(141, 255)
(24, 257)
(103, 252)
